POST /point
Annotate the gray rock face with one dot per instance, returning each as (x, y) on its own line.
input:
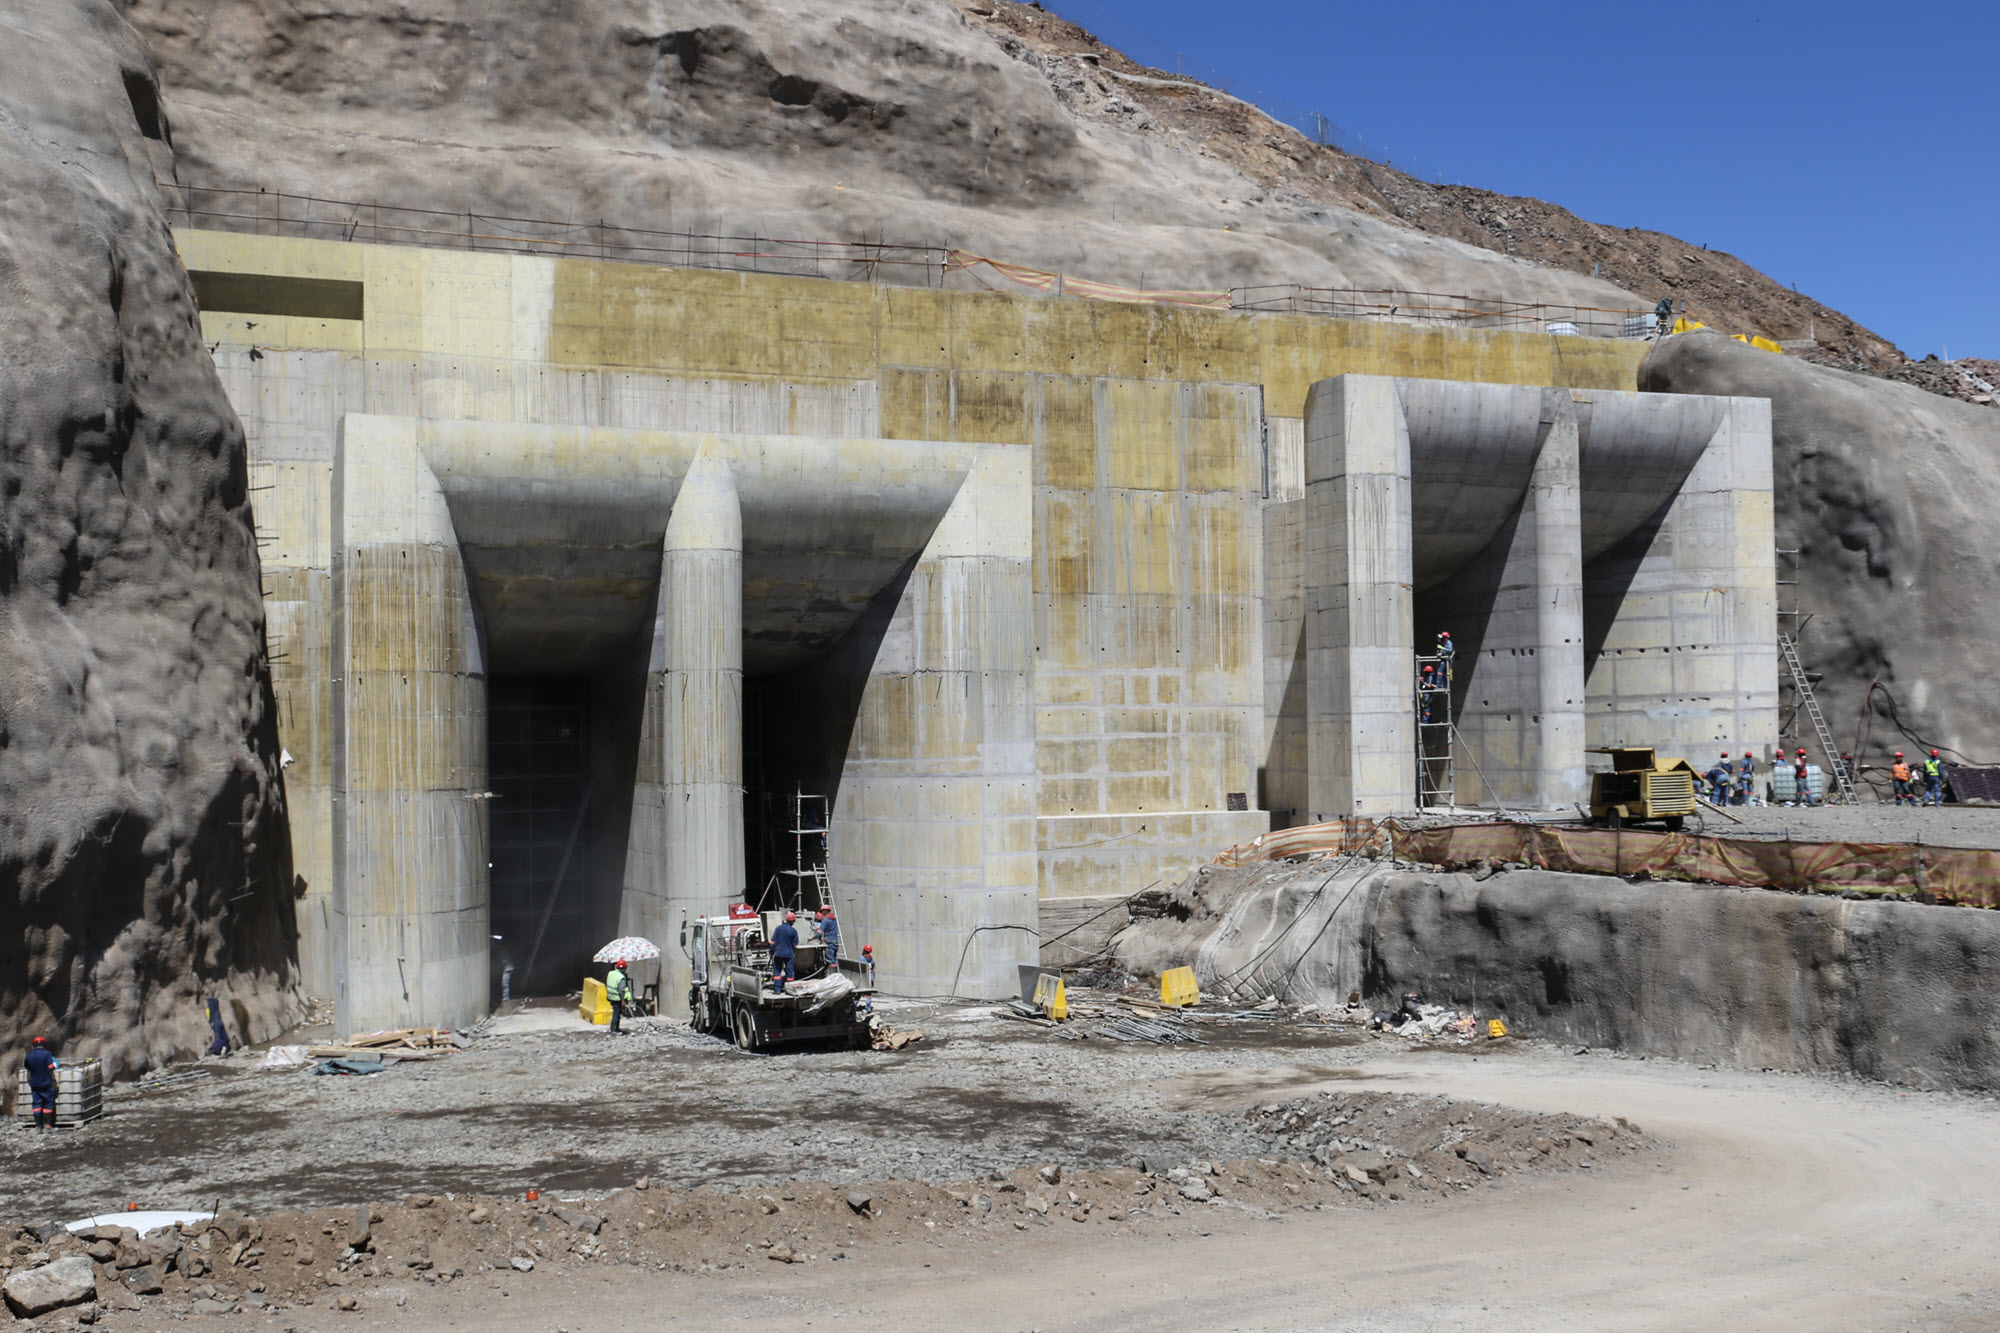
(143, 854)
(877, 119)
(70, 1281)
(1743, 977)
(1891, 494)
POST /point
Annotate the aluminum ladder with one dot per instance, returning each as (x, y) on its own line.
(1805, 696)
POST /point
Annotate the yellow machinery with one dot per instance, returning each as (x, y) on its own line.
(1641, 787)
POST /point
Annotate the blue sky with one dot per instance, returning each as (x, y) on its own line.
(1843, 148)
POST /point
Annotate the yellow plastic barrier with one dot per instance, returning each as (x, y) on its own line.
(594, 1008)
(1178, 987)
(1050, 997)
(1495, 1029)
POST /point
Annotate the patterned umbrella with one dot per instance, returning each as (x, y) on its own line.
(629, 947)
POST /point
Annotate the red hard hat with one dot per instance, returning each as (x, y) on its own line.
(39, 1041)
(868, 948)
(1899, 754)
(621, 962)
(1802, 749)
(1934, 754)
(1444, 634)
(1748, 755)
(1725, 754)
(791, 916)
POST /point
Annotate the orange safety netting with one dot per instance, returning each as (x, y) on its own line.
(1042, 280)
(1944, 874)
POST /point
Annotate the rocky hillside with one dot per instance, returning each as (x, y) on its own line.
(910, 120)
(1719, 289)
(143, 856)
(984, 124)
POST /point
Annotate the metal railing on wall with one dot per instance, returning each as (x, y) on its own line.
(277, 213)
(908, 264)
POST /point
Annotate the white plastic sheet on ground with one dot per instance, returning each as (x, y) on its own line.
(286, 1057)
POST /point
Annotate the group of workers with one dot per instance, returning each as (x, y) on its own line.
(1734, 781)
(785, 945)
(1921, 783)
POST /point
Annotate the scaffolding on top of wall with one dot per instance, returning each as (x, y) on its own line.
(1436, 768)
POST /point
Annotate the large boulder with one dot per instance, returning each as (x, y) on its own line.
(36, 1291)
(143, 854)
(1892, 496)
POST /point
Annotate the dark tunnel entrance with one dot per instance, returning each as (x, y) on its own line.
(561, 756)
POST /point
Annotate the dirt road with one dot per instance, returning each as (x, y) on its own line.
(1793, 1203)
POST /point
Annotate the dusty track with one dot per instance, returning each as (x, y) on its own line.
(1793, 1203)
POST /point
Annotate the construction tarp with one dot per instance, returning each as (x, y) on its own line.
(1944, 874)
(1062, 284)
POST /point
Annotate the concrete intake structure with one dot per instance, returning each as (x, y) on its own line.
(576, 571)
(1553, 532)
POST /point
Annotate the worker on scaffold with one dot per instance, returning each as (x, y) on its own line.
(1444, 654)
(1426, 686)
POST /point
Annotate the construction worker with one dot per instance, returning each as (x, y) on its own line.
(1934, 780)
(1802, 779)
(829, 935)
(1746, 778)
(1718, 780)
(1663, 313)
(42, 1065)
(617, 990)
(784, 952)
(1899, 774)
(1426, 686)
(1444, 653)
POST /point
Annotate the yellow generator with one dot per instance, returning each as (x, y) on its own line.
(1641, 788)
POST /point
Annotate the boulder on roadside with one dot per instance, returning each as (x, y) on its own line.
(70, 1281)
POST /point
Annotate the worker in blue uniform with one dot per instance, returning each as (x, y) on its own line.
(42, 1065)
(829, 935)
(784, 952)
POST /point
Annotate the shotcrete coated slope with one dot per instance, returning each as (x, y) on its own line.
(143, 853)
(1889, 492)
(1885, 990)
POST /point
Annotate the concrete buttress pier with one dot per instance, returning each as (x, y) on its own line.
(1603, 561)
(686, 852)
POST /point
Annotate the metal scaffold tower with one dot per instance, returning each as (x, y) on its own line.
(1790, 622)
(808, 832)
(1435, 735)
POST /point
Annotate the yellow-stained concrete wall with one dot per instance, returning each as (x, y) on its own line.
(1152, 475)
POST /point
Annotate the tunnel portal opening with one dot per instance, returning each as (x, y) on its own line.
(561, 753)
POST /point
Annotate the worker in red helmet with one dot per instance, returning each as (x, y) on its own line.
(42, 1065)
(617, 990)
(1746, 778)
(1899, 775)
(1444, 652)
(784, 952)
(1802, 779)
(1718, 776)
(1934, 780)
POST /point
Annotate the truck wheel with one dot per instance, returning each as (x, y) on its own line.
(1674, 823)
(1613, 819)
(746, 1030)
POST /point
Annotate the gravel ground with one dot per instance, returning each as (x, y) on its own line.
(1937, 826)
(579, 1111)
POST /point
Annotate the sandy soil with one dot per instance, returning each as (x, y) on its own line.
(1729, 1199)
